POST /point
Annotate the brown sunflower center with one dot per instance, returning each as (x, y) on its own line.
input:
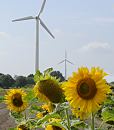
(56, 128)
(86, 88)
(17, 100)
(51, 90)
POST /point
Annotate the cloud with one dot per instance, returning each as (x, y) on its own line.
(96, 47)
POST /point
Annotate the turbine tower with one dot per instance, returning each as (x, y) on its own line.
(66, 61)
(38, 21)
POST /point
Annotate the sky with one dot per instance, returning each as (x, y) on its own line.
(84, 28)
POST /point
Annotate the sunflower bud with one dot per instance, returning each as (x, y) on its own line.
(49, 90)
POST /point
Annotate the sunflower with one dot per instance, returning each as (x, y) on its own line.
(48, 90)
(52, 127)
(22, 127)
(48, 107)
(80, 114)
(86, 89)
(15, 100)
(40, 115)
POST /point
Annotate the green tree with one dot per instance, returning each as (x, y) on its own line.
(20, 81)
(6, 81)
(57, 75)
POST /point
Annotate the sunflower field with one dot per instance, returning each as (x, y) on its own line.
(84, 101)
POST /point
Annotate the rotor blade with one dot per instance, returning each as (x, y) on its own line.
(24, 18)
(41, 10)
(69, 62)
(41, 22)
(61, 62)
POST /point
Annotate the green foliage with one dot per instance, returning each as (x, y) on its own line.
(6, 81)
(78, 123)
(57, 75)
(17, 116)
(108, 114)
(30, 95)
(61, 111)
(1, 99)
(47, 117)
(20, 81)
(48, 71)
(12, 129)
(37, 76)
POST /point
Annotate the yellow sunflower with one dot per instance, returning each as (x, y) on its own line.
(51, 127)
(48, 90)
(15, 100)
(22, 127)
(80, 114)
(54, 120)
(86, 89)
(40, 115)
(48, 107)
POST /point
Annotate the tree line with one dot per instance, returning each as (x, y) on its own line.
(7, 81)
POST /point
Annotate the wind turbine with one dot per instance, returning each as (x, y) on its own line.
(38, 21)
(66, 61)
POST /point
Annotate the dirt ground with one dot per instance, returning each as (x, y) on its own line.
(5, 120)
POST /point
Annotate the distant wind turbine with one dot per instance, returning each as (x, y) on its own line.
(38, 21)
(66, 61)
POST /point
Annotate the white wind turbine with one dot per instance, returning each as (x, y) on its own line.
(38, 21)
(66, 61)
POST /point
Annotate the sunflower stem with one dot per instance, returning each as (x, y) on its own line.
(92, 121)
(25, 116)
(101, 124)
(68, 120)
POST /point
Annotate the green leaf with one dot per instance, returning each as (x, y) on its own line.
(1, 99)
(78, 123)
(30, 96)
(37, 76)
(36, 108)
(12, 129)
(108, 114)
(17, 116)
(109, 101)
(48, 116)
(73, 128)
(48, 71)
(59, 124)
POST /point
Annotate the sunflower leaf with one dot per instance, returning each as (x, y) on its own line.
(48, 116)
(17, 116)
(1, 99)
(37, 76)
(59, 124)
(36, 108)
(108, 114)
(30, 96)
(48, 71)
(109, 101)
(78, 123)
(12, 128)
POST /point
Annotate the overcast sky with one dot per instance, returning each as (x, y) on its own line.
(85, 28)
